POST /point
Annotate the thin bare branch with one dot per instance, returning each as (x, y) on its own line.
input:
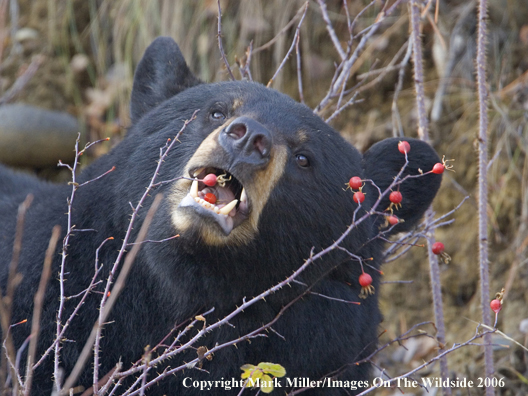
(482, 89)
(37, 307)
(423, 126)
(13, 280)
(299, 69)
(297, 32)
(281, 32)
(116, 290)
(221, 46)
(331, 31)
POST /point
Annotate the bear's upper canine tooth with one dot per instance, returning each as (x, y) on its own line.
(243, 196)
(197, 172)
(229, 207)
(194, 189)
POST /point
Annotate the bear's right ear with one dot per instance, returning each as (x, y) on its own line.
(161, 74)
(381, 164)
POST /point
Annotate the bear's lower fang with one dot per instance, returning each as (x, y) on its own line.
(225, 221)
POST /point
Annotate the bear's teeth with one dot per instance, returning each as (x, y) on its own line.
(194, 189)
(229, 207)
(243, 196)
(197, 172)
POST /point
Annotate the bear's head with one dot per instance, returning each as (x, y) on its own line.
(282, 171)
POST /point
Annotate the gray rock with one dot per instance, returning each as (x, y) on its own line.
(34, 137)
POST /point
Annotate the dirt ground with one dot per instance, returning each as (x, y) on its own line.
(91, 48)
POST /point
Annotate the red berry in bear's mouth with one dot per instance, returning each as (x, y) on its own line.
(210, 180)
(404, 147)
(395, 197)
(355, 183)
(358, 197)
(210, 197)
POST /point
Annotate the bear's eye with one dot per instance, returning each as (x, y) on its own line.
(302, 160)
(218, 115)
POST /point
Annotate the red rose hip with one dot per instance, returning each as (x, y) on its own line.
(358, 197)
(395, 197)
(365, 280)
(210, 180)
(404, 147)
(210, 197)
(438, 248)
(496, 305)
(438, 168)
(355, 183)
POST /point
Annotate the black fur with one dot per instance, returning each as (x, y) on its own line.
(173, 281)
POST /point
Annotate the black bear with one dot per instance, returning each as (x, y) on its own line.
(281, 175)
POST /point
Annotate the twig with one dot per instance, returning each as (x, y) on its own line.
(245, 70)
(438, 306)
(396, 119)
(331, 31)
(95, 336)
(423, 127)
(299, 69)
(65, 243)
(291, 47)
(356, 18)
(13, 280)
(116, 290)
(483, 185)
(383, 71)
(428, 363)
(220, 45)
(434, 269)
(348, 103)
(95, 179)
(84, 294)
(281, 32)
(343, 71)
(37, 308)
(16, 366)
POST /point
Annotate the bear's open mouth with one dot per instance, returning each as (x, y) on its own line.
(231, 204)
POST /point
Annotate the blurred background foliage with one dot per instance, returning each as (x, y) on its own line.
(91, 48)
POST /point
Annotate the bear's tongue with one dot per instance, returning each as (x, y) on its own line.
(225, 199)
(223, 195)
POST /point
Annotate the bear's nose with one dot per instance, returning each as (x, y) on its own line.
(247, 140)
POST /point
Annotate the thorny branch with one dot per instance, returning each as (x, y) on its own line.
(482, 90)
(103, 312)
(70, 229)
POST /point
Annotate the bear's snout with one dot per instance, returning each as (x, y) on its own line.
(247, 141)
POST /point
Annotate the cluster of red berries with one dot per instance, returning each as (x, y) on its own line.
(355, 183)
(210, 181)
(396, 197)
(438, 168)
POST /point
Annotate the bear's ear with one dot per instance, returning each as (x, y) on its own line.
(161, 74)
(383, 161)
